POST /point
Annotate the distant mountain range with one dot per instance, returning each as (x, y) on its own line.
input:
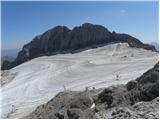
(9, 52)
(61, 39)
(8, 58)
(156, 44)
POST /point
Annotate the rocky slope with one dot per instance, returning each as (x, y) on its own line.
(5, 61)
(137, 99)
(6, 77)
(61, 38)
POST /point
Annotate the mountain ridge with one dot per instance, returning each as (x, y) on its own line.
(61, 38)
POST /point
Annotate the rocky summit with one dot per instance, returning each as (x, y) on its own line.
(61, 39)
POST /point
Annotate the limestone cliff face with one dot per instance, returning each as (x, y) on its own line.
(61, 38)
(47, 42)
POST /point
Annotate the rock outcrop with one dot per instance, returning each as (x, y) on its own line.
(61, 39)
(66, 104)
(6, 77)
(137, 99)
(140, 110)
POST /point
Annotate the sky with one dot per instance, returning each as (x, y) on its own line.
(22, 21)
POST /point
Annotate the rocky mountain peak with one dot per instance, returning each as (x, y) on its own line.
(61, 38)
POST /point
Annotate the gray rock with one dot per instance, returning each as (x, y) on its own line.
(131, 85)
(75, 113)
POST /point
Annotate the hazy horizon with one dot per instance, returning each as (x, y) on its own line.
(22, 21)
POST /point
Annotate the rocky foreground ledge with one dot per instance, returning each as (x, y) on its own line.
(137, 99)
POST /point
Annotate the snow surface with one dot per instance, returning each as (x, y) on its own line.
(40, 79)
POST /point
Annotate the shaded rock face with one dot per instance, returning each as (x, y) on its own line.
(47, 42)
(61, 39)
(133, 42)
(148, 85)
(6, 65)
(137, 99)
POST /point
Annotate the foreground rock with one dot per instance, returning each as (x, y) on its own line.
(61, 39)
(6, 77)
(140, 110)
(137, 99)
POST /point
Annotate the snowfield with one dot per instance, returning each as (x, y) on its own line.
(40, 79)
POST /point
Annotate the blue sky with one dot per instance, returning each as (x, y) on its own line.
(22, 21)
